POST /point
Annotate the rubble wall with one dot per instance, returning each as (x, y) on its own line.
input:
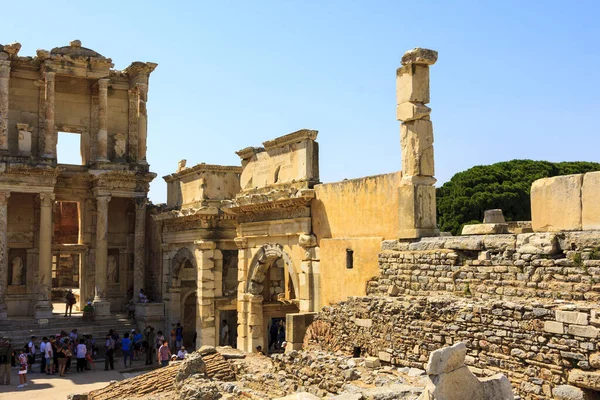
(526, 306)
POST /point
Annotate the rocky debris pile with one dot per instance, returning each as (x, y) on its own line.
(451, 379)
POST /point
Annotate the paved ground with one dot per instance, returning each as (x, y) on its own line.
(54, 387)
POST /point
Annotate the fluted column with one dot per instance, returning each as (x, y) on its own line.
(139, 267)
(101, 303)
(50, 135)
(3, 252)
(102, 138)
(4, 80)
(43, 308)
(142, 121)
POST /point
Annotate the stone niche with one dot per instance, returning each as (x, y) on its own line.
(17, 267)
(286, 159)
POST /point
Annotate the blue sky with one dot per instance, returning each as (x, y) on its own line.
(514, 79)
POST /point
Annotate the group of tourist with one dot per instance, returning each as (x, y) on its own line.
(58, 352)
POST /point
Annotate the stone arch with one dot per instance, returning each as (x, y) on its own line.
(262, 261)
(183, 256)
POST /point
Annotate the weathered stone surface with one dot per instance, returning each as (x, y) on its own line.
(537, 243)
(307, 240)
(409, 111)
(447, 359)
(568, 392)
(572, 317)
(497, 387)
(594, 360)
(585, 379)
(485, 229)
(500, 242)
(464, 243)
(579, 240)
(554, 327)
(299, 396)
(419, 55)
(518, 227)
(412, 84)
(583, 331)
(494, 216)
(416, 139)
(372, 362)
(556, 203)
(430, 243)
(590, 193)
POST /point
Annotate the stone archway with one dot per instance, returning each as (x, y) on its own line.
(179, 282)
(190, 315)
(183, 256)
(262, 261)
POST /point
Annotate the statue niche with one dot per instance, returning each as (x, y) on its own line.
(17, 276)
(113, 269)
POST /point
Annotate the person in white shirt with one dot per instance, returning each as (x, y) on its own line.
(182, 353)
(49, 355)
(43, 355)
(81, 352)
(225, 334)
(31, 354)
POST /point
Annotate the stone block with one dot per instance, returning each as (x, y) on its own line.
(393, 290)
(584, 379)
(595, 360)
(385, 356)
(556, 203)
(537, 243)
(363, 322)
(485, 229)
(518, 227)
(568, 392)
(409, 111)
(416, 137)
(296, 324)
(554, 327)
(572, 317)
(372, 362)
(416, 208)
(583, 331)
(419, 55)
(500, 242)
(464, 243)
(299, 396)
(412, 84)
(447, 359)
(494, 216)
(590, 193)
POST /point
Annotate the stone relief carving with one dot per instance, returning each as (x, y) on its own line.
(113, 269)
(120, 144)
(17, 271)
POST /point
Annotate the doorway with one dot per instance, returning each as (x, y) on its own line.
(190, 307)
(229, 316)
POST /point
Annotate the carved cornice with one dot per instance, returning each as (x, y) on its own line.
(294, 137)
(205, 245)
(118, 180)
(138, 72)
(249, 152)
(203, 168)
(20, 174)
(277, 199)
(12, 50)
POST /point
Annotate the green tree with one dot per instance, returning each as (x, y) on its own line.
(506, 185)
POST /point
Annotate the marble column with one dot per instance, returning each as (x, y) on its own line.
(102, 138)
(133, 124)
(4, 80)
(101, 303)
(142, 122)
(139, 265)
(43, 308)
(3, 253)
(205, 316)
(50, 135)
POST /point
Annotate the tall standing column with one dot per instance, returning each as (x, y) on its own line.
(101, 303)
(142, 122)
(416, 194)
(205, 316)
(43, 308)
(50, 135)
(102, 138)
(4, 80)
(139, 265)
(3, 252)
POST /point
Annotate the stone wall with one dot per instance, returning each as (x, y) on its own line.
(526, 306)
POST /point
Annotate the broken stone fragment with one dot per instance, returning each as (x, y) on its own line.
(409, 111)
(420, 56)
(494, 216)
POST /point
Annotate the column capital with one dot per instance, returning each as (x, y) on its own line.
(46, 199)
(49, 76)
(141, 204)
(103, 83)
(103, 200)
(241, 242)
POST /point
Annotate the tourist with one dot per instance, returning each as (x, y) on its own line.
(88, 312)
(69, 301)
(259, 350)
(281, 334)
(69, 355)
(61, 355)
(126, 348)
(109, 357)
(73, 336)
(23, 360)
(273, 332)
(173, 336)
(225, 334)
(49, 357)
(149, 344)
(31, 352)
(137, 344)
(90, 344)
(81, 353)
(182, 353)
(55, 348)
(178, 335)
(5, 353)
(131, 310)
(43, 355)
(164, 354)
(142, 297)
(160, 339)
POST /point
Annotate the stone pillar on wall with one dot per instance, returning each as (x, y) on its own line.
(3, 253)
(142, 122)
(242, 303)
(205, 318)
(309, 279)
(139, 264)
(43, 308)
(102, 139)
(101, 303)
(50, 134)
(4, 86)
(416, 195)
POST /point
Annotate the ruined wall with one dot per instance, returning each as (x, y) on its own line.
(526, 306)
(24, 94)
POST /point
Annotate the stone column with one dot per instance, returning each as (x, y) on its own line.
(142, 122)
(50, 135)
(139, 265)
(309, 280)
(3, 253)
(102, 138)
(4, 80)
(416, 195)
(205, 316)
(101, 303)
(43, 308)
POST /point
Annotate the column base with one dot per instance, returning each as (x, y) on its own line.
(42, 310)
(101, 308)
